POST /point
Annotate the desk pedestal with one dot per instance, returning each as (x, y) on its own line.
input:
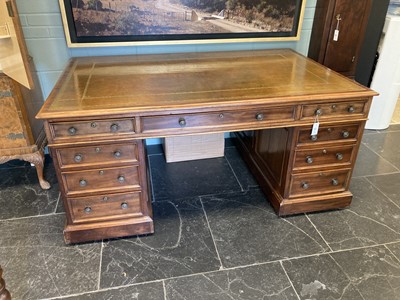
(300, 173)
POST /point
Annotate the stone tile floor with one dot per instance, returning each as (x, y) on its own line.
(396, 113)
(216, 237)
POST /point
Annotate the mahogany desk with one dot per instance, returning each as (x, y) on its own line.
(103, 108)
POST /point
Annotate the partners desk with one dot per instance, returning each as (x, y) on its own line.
(103, 108)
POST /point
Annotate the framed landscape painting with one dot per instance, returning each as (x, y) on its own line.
(133, 22)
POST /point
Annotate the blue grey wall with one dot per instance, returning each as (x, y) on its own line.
(44, 35)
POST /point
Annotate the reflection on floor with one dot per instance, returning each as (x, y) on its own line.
(396, 113)
(216, 237)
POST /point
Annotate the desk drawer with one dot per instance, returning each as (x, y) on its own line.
(95, 155)
(226, 119)
(101, 180)
(92, 128)
(340, 109)
(329, 133)
(324, 156)
(105, 207)
(319, 183)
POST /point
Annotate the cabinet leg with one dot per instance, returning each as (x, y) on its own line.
(4, 293)
(37, 159)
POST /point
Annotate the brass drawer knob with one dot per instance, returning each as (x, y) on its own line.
(82, 182)
(121, 179)
(124, 205)
(78, 158)
(117, 154)
(305, 185)
(309, 160)
(314, 138)
(114, 127)
(259, 117)
(335, 182)
(93, 124)
(339, 156)
(72, 130)
(105, 198)
(88, 209)
(345, 134)
(97, 150)
(318, 112)
(182, 122)
(351, 109)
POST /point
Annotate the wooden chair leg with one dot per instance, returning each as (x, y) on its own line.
(4, 293)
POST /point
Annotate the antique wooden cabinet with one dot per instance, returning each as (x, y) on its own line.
(21, 135)
(338, 32)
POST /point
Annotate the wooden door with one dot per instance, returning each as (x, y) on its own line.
(349, 18)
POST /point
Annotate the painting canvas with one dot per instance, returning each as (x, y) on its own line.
(103, 21)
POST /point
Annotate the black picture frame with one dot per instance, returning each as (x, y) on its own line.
(83, 28)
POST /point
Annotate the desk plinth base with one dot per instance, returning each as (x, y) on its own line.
(285, 207)
(104, 230)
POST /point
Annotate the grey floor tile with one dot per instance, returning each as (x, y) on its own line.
(368, 274)
(246, 230)
(146, 291)
(395, 249)
(386, 144)
(182, 245)
(370, 131)
(38, 231)
(191, 178)
(60, 206)
(266, 281)
(240, 168)
(320, 277)
(38, 264)
(21, 194)
(375, 272)
(393, 127)
(370, 163)
(371, 219)
(389, 185)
